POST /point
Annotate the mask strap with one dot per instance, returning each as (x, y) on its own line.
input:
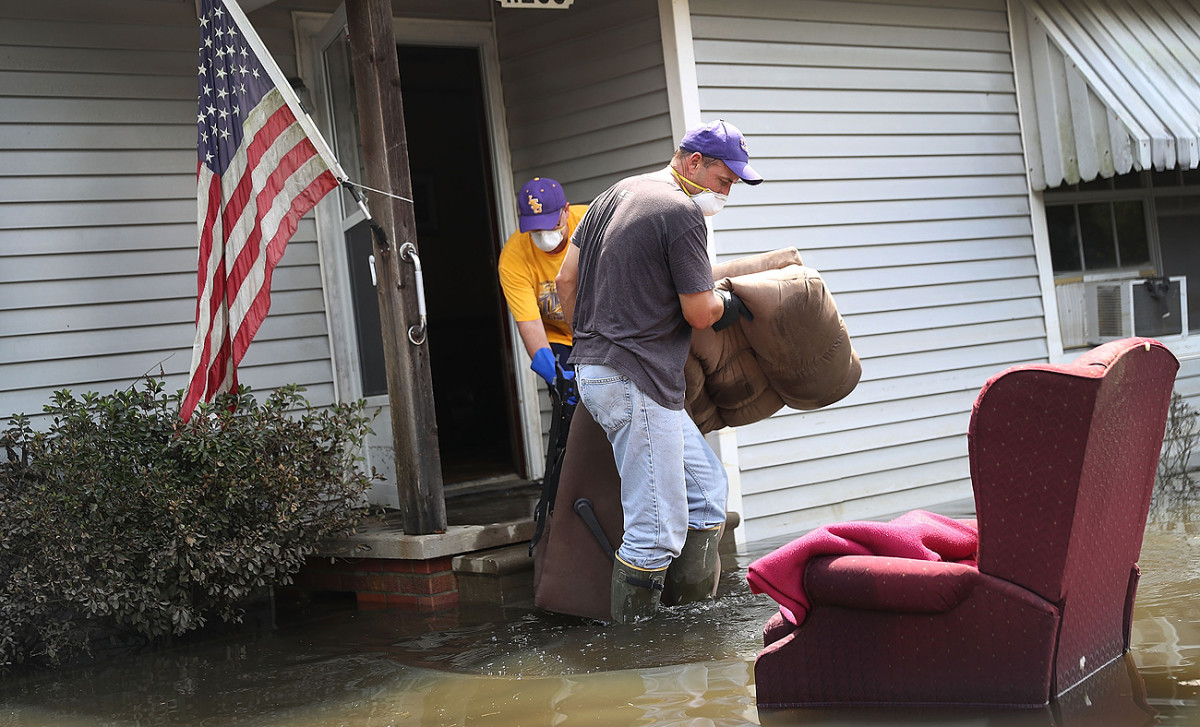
(684, 181)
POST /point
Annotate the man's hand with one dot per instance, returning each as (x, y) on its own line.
(544, 364)
(734, 309)
(566, 386)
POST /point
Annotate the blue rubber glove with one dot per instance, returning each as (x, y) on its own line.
(544, 364)
(569, 376)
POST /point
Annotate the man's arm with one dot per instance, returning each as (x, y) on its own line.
(567, 283)
(533, 335)
(702, 309)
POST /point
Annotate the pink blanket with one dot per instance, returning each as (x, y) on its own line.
(918, 534)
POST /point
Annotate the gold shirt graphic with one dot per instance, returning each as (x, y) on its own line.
(548, 302)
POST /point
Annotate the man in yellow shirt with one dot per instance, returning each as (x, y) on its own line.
(528, 265)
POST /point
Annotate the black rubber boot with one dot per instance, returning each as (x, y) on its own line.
(635, 592)
(694, 574)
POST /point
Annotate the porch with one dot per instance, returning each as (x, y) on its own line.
(483, 557)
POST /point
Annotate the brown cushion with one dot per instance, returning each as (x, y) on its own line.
(796, 352)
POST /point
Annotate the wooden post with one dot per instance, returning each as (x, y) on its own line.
(385, 149)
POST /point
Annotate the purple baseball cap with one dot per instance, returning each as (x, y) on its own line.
(539, 204)
(722, 140)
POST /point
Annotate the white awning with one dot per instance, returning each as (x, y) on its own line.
(1107, 86)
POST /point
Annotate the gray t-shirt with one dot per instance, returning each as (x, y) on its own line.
(641, 244)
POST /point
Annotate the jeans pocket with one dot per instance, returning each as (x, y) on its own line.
(607, 400)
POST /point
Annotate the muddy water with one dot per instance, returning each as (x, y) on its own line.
(690, 666)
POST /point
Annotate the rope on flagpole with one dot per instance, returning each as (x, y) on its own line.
(376, 229)
(372, 189)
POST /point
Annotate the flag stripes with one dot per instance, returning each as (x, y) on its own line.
(255, 179)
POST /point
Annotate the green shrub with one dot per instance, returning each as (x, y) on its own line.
(121, 515)
(1175, 490)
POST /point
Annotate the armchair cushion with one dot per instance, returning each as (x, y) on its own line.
(918, 535)
(889, 584)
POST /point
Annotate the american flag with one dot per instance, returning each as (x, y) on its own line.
(258, 173)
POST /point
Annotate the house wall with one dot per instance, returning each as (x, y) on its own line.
(585, 93)
(98, 211)
(890, 140)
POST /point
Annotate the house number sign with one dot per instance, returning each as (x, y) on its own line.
(544, 4)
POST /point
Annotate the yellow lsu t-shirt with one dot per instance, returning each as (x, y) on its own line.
(527, 277)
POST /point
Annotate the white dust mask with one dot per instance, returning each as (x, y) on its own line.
(710, 202)
(547, 240)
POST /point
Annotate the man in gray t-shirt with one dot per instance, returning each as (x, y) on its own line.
(635, 282)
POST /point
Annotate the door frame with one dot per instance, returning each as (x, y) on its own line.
(307, 30)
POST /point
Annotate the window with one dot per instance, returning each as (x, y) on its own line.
(1138, 225)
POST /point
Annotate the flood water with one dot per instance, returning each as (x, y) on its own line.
(518, 666)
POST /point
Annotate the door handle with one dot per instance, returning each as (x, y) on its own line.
(408, 253)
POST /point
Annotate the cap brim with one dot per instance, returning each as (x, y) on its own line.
(745, 172)
(548, 221)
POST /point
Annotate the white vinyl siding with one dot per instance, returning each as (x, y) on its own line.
(889, 137)
(98, 210)
(585, 93)
(1187, 381)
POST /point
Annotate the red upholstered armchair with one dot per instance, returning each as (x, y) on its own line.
(1062, 463)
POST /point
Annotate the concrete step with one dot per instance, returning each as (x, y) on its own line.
(504, 575)
(497, 575)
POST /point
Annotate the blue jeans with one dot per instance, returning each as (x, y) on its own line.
(671, 480)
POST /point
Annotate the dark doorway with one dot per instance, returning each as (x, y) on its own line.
(469, 345)
(450, 159)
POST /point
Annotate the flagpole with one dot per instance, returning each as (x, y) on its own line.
(293, 101)
(286, 90)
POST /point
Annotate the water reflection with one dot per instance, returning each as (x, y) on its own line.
(1113, 697)
(693, 665)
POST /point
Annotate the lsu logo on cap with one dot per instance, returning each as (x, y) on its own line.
(535, 205)
(744, 149)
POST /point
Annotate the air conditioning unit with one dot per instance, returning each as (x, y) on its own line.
(1152, 307)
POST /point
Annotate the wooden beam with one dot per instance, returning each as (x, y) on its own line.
(385, 149)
